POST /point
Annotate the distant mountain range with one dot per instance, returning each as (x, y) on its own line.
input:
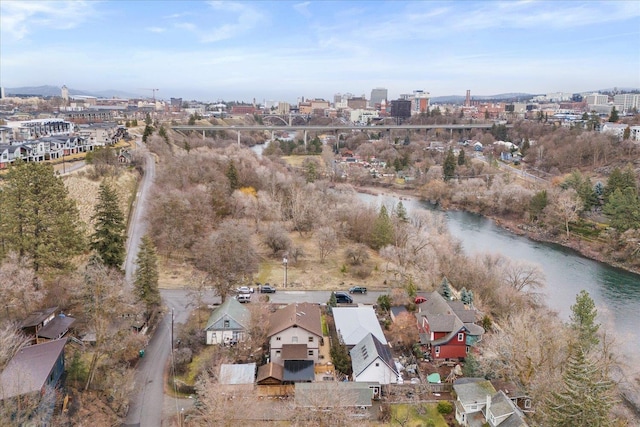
(45, 91)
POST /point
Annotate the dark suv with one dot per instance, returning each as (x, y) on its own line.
(358, 290)
(343, 298)
(267, 289)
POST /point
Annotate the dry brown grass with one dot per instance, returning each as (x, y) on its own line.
(306, 274)
(85, 192)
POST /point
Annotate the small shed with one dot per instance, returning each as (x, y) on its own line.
(270, 374)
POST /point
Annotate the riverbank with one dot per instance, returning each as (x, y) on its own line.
(592, 250)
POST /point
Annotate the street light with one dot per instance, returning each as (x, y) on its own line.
(285, 261)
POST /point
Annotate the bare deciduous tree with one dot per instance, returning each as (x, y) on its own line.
(327, 241)
(20, 292)
(228, 256)
(523, 276)
(564, 207)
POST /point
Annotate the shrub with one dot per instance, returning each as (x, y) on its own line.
(445, 407)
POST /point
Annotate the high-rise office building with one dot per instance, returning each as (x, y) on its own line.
(377, 96)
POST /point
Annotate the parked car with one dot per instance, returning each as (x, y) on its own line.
(244, 290)
(243, 298)
(358, 290)
(343, 298)
(267, 289)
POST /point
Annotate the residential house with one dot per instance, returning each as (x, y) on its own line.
(228, 323)
(447, 328)
(478, 404)
(56, 328)
(501, 411)
(354, 323)
(33, 369)
(372, 361)
(295, 333)
(36, 320)
(615, 129)
(471, 399)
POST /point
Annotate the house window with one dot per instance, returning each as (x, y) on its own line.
(310, 353)
(437, 350)
(310, 339)
(277, 338)
(294, 339)
(278, 352)
(226, 323)
(467, 350)
(377, 364)
(461, 336)
(527, 404)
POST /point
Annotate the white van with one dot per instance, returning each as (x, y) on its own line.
(243, 298)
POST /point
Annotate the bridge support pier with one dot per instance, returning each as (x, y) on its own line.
(305, 139)
(238, 138)
(203, 135)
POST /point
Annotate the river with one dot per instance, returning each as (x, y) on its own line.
(615, 292)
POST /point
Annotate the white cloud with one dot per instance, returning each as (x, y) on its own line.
(247, 19)
(17, 18)
(156, 29)
(303, 8)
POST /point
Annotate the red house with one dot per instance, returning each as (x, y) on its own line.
(447, 328)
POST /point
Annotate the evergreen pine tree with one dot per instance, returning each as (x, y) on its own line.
(401, 212)
(449, 168)
(583, 320)
(232, 176)
(614, 116)
(146, 276)
(39, 219)
(586, 397)
(461, 159)
(382, 233)
(624, 209)
(445, 289)
(108, 239)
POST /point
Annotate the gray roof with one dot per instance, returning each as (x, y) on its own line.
(334, 394)
(473, 390)
(501, 406)
(233, 309)
(368, 350)
(298, 370)
(237, 374)
(36, 317)
(354, 323)
(29, 369)
(57, 327)
(447, 316)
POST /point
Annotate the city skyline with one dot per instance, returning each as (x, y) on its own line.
(285, 50)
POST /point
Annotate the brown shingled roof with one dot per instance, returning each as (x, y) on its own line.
(304, 315)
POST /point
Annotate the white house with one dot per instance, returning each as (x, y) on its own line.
(616, 129)
(354, 323)
(228, 323)
(295, 333)
(372, 362)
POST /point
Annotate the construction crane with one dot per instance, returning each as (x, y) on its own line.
(154, 92)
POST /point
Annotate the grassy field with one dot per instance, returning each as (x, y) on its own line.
(417, 416)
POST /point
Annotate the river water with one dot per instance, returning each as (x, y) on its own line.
(616, 292)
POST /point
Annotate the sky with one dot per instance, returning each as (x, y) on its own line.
(284, 50)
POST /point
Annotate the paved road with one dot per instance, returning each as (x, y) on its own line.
(137, 226)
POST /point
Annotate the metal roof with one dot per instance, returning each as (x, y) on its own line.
(354, 323)
(238, 373)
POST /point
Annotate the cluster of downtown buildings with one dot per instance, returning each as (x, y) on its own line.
(38, 129)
